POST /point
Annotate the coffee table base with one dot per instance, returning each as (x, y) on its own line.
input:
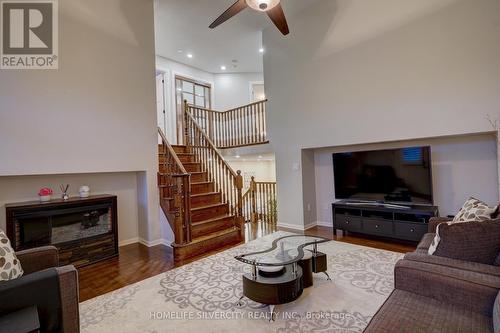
(276, 290)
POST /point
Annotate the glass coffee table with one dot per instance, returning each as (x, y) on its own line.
(280, 273)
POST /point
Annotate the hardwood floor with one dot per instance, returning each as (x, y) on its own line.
(138, 262)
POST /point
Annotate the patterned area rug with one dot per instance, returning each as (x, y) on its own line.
(202, 296)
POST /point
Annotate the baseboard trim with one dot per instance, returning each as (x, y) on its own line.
(324, 224)
(128, 241)
(160, 241)
(145, 242)
(297, 227)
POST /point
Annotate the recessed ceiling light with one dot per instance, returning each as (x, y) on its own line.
(179, 51)
(189, 55)
(237, 156)
(223, 68)
(261, 50)
(260, 156)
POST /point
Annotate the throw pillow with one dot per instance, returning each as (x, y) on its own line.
(472, 210)
(477, 241)
(10, 267)
(475, 210)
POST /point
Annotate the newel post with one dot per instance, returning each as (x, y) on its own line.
(179, 210)
(253, 198)
(239, 203)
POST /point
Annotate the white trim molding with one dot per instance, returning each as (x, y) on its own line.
(297, 227)
(145, 242)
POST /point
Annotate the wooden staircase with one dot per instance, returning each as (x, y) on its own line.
(195, 206)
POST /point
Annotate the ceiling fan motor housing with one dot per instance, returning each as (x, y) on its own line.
(262, 5)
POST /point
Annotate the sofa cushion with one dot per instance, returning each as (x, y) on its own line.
(454, 263)
(472, 210)
(471, 241)
(407, 312)
(475, 210)
(10, 267)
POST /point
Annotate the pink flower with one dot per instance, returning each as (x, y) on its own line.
(45, 191)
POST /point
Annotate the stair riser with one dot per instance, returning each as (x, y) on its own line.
(206, 228)
(179, 149)
(188, 167)
(191, 250)
(186, 158)
(195, 178)
(206, 200)
(199, 202)
(182, 158)
(202, 188)
(208, 213)
(198, 177)
(192, 167)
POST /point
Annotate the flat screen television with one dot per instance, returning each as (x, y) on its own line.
(386, 176)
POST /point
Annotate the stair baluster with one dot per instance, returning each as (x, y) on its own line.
(225, 180)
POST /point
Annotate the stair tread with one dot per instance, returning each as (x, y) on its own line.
(209, 206)
(198, 183)
(192, 195)
(203, 194)
(216, 218)
(214, 234)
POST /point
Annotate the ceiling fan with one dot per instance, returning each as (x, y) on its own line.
(271, 7)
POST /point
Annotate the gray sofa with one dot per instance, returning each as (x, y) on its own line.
(46, 292)
(438, 294)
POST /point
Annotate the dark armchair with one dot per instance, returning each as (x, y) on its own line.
(51, 290)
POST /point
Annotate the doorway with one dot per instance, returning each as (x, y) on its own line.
(161, 102)
(195, 93)
(257, 91)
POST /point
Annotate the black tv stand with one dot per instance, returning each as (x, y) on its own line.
(376, 204)
(386, 220)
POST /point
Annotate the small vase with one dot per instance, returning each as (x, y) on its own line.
(45, 198)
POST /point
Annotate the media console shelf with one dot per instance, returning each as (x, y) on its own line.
(408, 224)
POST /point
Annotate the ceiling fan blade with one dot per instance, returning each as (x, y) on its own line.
(278, 17)
(237, 7)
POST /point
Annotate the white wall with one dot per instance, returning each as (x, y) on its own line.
(233, 90)
(436, 75)
(462, 166)
(123, 185)
(94, 115)
(263, 171)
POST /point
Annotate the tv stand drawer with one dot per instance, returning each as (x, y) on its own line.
(348, 223)
(377, 227)
(410, 231)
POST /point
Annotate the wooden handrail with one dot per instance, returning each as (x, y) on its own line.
(247, 105)
(259, 202)
(175, 189)
(171, 151)
(225, 180)
(242, 126)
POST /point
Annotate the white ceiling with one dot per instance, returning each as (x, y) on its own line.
(182, 25)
